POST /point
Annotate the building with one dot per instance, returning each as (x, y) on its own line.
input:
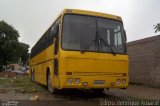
(144, 57)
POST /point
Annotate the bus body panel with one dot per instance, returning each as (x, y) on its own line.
(90, 66)
(41, 62)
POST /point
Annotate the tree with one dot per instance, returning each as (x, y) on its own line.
(24, 52)
(11, 50)
(157, 28)
(8, 32)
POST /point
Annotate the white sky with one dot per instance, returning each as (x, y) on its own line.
(32, 17)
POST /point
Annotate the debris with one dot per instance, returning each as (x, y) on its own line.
(23, 91)
(8, 74)
(34, 97)
(34, 90)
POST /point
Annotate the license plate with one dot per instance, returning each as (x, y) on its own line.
(99, 82)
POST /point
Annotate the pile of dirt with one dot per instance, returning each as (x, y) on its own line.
(8, 74)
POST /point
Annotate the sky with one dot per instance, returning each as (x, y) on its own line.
(33, 17)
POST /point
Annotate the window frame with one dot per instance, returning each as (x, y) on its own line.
(44, 42)
(125, 49)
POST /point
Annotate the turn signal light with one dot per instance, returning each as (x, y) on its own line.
(124, 81)
(77, 81)
(118, 81)
(70, 80)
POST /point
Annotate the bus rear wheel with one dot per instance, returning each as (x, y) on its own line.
(51, 89)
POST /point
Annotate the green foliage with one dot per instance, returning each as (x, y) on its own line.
(157, 28)
(8, 32)
(11, 50)
(24, 52)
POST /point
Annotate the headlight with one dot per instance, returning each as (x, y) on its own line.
(118, 81)
(124, 81)
(69, 80)
(77, 81)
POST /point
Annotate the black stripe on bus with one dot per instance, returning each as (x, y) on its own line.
(42, 62)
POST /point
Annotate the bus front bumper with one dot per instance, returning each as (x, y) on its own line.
(92, 82)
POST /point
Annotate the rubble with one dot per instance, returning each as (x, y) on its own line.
(11, 74)
(36, 97)
(8, 74)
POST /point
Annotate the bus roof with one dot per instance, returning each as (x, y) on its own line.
(91, 13)
(86, 12)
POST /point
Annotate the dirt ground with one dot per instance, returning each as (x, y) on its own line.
(17, 90)
(8, 74)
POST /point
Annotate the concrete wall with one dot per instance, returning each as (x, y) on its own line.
(144, 60)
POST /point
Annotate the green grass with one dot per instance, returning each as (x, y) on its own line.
(19, 84)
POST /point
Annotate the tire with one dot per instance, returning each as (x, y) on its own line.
(33, 76)
(50, 87)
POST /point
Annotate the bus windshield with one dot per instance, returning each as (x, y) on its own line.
(95, 34)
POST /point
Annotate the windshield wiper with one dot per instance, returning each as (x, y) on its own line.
(98, 38)
(106, 44)
(95, 40)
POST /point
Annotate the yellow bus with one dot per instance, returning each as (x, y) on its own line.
(81, 50)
